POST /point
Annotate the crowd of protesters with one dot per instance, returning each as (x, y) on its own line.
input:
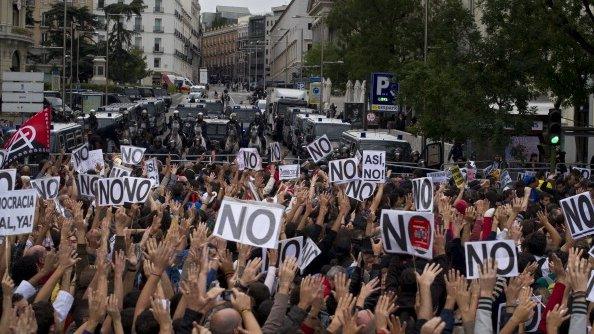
(157, 268)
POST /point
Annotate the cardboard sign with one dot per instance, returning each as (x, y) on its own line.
(360, 190)
(423, 194)
(407, 232)
(343, 170)
(309, 253)
(320, 148)
(7, 179)
(17, 211)
(132, 155)
(85, 159)
(504, 251)
(506, 179)
(87, 184)
(531, 325)
(119, 191)
(374, 166)
(290, 248)
(275, 152)
(579, 214)
(152, 171)
(289, 172)
(47, 188)
(249, 158)
(439, 177)
(119, 171)
(249, 222)
(585, 172)
(457, 175)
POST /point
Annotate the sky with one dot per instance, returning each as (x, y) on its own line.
(255, 6)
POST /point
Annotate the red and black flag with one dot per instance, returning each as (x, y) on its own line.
(32, 137)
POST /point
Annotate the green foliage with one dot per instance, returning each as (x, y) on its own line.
(332, 53)
(130, 65)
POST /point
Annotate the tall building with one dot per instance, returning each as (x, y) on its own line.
(290, 40)
(242, 55)
(257, 46)
(219, 51)
(231, 12)
(318, 10)
(223, 15)
(168, 33)
(15, 39)
(270, 21)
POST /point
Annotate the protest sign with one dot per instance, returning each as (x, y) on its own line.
(17, 211)
(87, 184)
(290, 248)
(275, 152)
(531, 325)
(119, 191)
(249, 158)
(309, 253)
(457, 175)
(360, 190)
(80, 156)
(319, 148)
(152, 171)
(579, 214)
(132, 155)
(407, 232)
(505, 179)
(47, 188)
(423, 194)
(439, 177)
(344, 170)
(288, 172)
(503, 251)
(119, 171)
(249, 222)
(584, 172)
(374, 166)
(7, 179)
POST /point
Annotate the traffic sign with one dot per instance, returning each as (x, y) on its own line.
(300, 85)
(315, 92)
(383, 92)
(315, 79)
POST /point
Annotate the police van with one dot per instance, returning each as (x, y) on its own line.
(316, 126)
(358, 140)
(293, 121)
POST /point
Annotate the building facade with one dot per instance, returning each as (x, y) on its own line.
(270, 21)
(168, 34)
(257, 46)
(242, 56)
(15, 38)
(219, 52)
(290, 39)
(318, 10)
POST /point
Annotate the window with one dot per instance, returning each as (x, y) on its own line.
(309, 26)
(158, 27)
(16, 15)
(138, 42)
(157, 45)
(157, 63)
(158, 6)
(138, 23)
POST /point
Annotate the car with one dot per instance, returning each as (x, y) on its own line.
(297, 138)
(317, 126)
(105, 119)
(85, 101)
(214, 108)
(359, 140)
(198, 89)
(216, 131)
(132, 93)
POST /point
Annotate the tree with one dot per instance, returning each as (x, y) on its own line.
(332, 53)
(131, 66)
(85, 23)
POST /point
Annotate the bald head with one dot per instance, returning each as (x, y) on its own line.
(225, 321)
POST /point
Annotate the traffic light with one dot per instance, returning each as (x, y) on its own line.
(554, 126)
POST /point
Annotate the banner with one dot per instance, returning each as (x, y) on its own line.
(579, 214)
(360, 190)
(504, 251)
(249, 222)
(320, 148)
(423, 194)
(275, 152)
(249, 158)
(343, 170)
(119, 191)
(32, 137)
(289, 172)
(87, 184)
(7, 179)
(119, 171)
(374, 166)
(132, 155)
(309, 253)
(439, 177)
(152, 171)
(47, 188)
(407, 232)
(17, 211)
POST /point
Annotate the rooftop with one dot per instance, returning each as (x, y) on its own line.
(233, 9)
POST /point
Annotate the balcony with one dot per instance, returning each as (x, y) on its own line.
(16, 33)
(158, 49)
(138, 28)
(158, 30)
(158, 9)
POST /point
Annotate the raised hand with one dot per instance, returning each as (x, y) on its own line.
(433, 326)
(341, 285)
(366, 290)
(112, 307)
(488, 278)
(430, 271)
(556, 317)
(578, 271)
(251, 272)
(383, 309)
(286, 274)
(160, 309)
(308, 292)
